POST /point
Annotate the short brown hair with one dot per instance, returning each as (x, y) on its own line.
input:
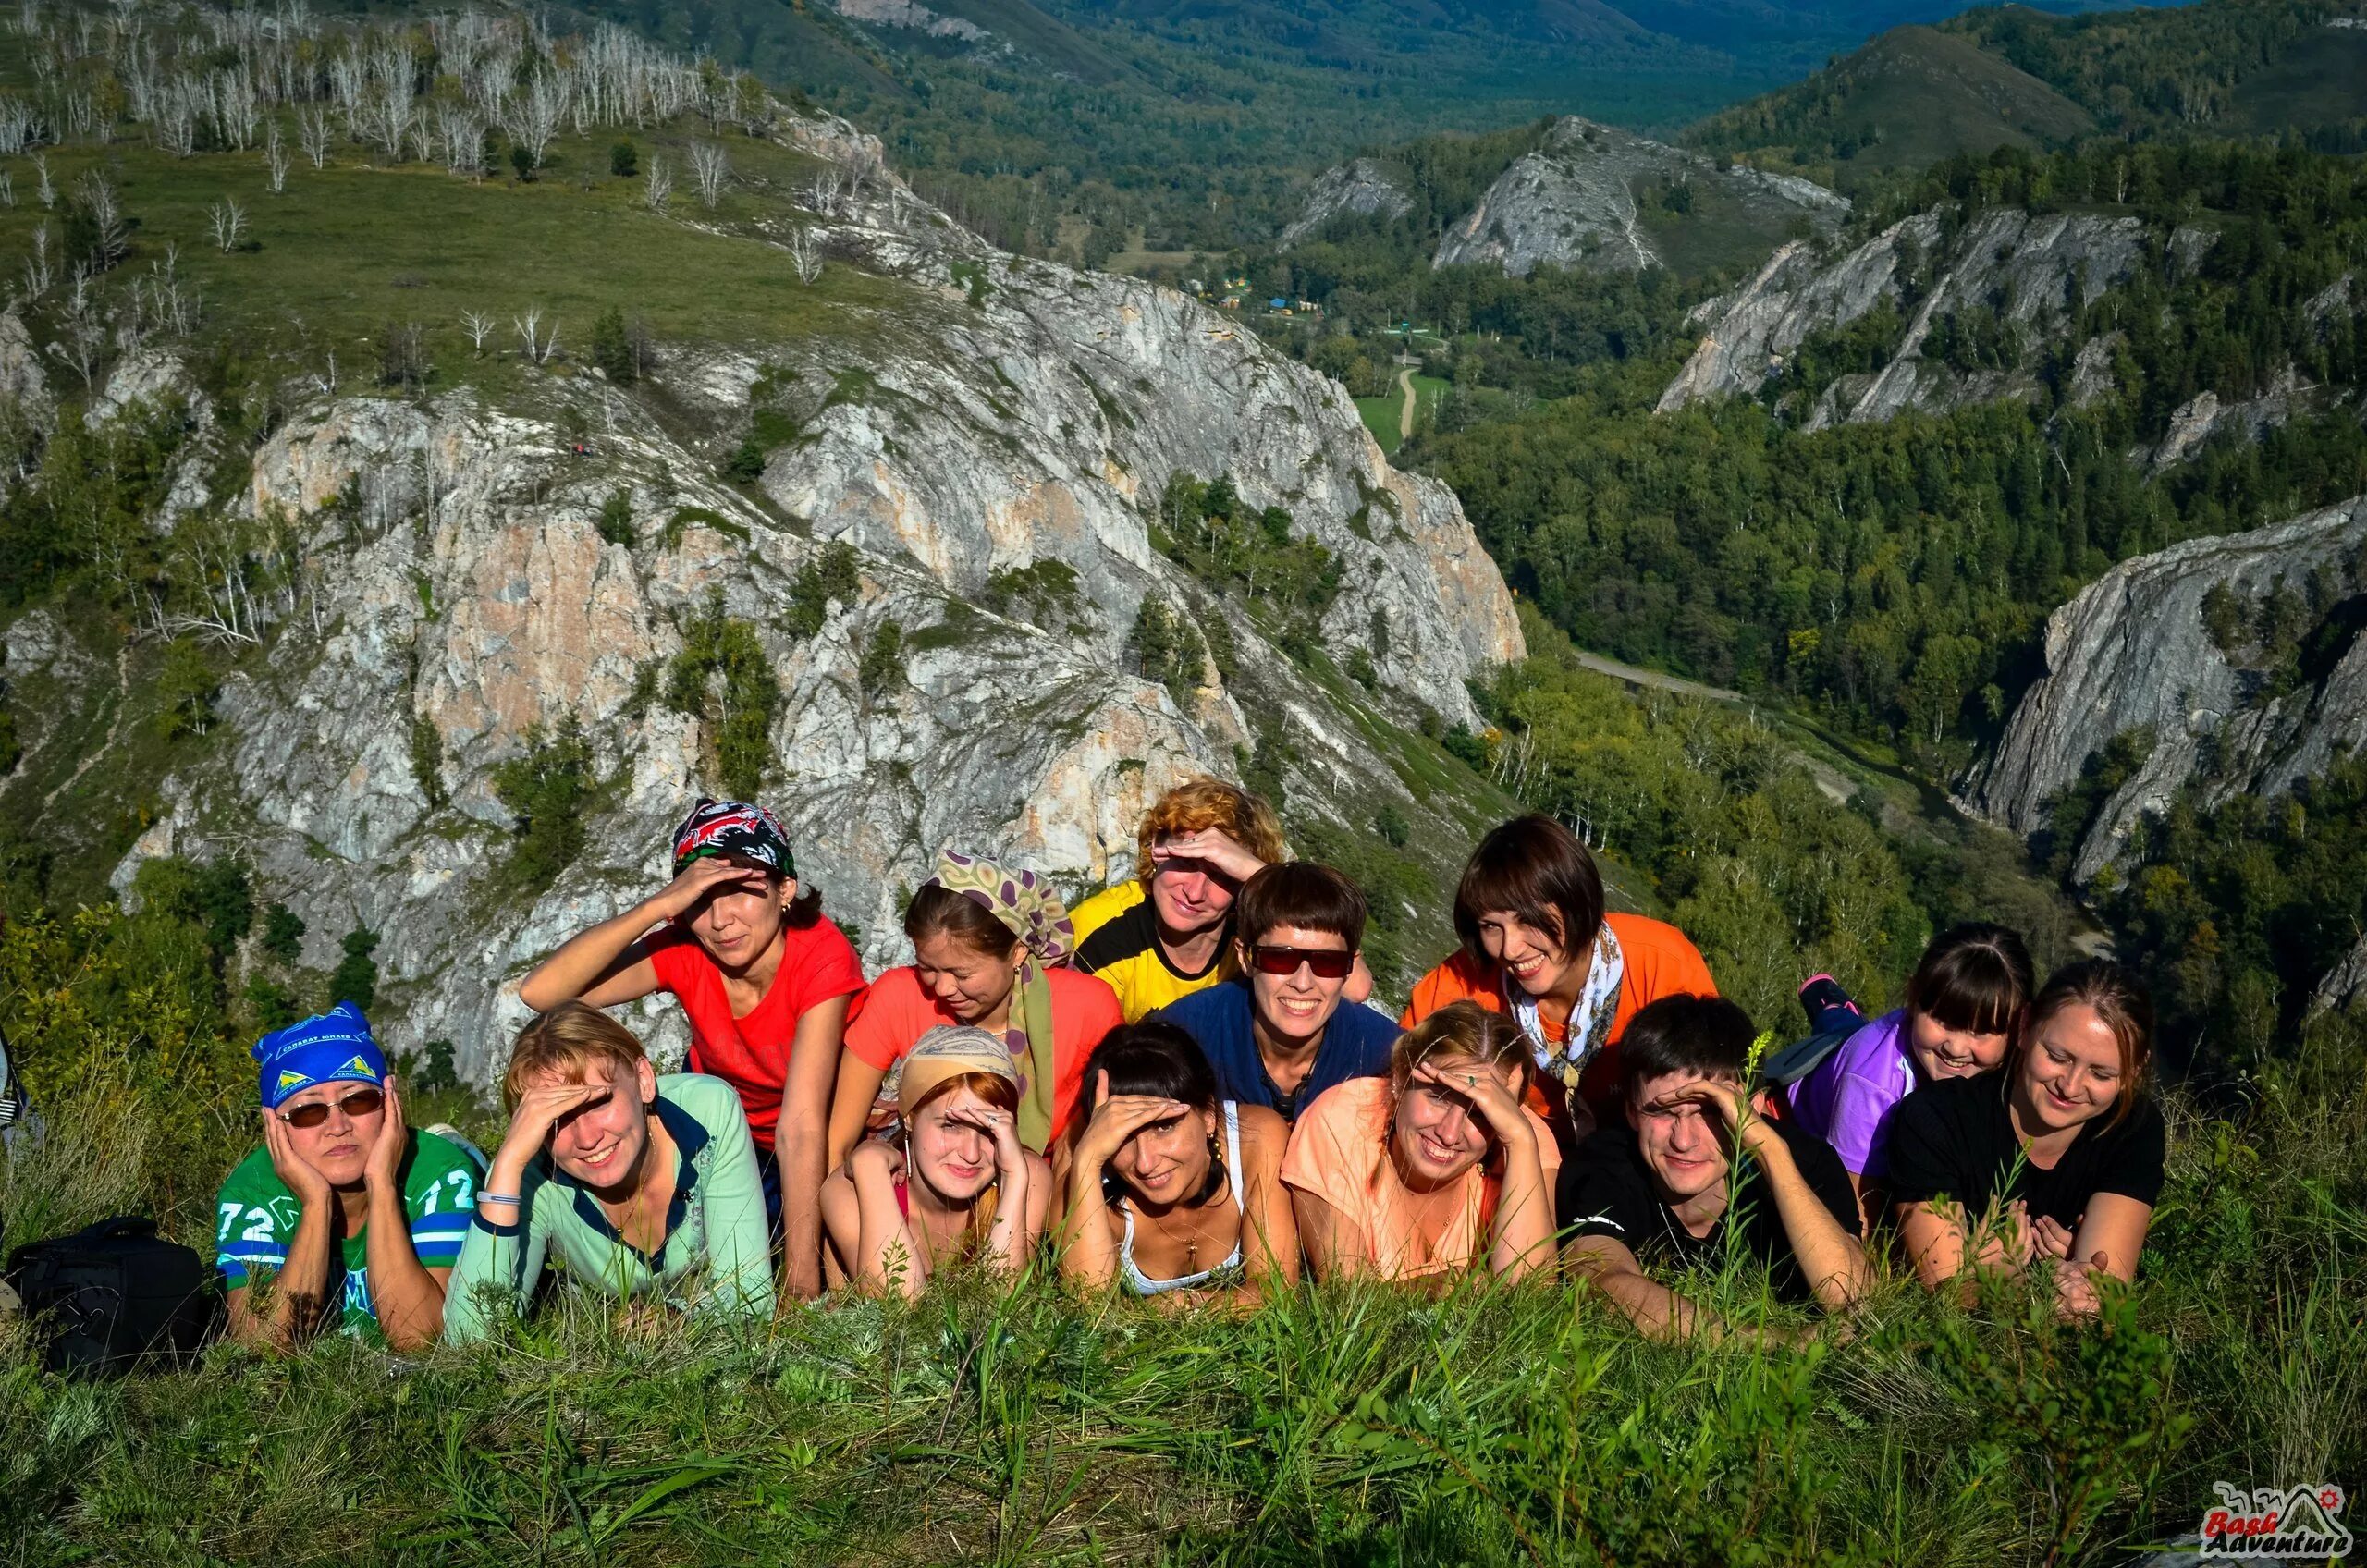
(1300, 893)
(2120, 999)
(1459, 1031)
(1207, 802)
(1682, 1032)
(565, 1041)
(1535, 868)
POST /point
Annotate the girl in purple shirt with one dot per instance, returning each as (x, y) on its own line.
(1965, 1003)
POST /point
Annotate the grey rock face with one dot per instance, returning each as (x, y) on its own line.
(2205, 416)
(2091, 372)
(457, 594)
(22, 376)
(908, 14)
(2030, 269)
(1362, 185)
(1574, 201)
(2132, 651)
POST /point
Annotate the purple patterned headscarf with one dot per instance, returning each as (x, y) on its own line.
(1021, 900)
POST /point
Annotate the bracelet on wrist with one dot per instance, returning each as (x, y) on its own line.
(504, 1200)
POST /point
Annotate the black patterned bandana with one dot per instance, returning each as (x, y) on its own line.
(739, 829)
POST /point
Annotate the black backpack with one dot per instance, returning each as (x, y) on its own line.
(114, 1296)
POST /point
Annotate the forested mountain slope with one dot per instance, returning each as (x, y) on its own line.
(1884, 462)
(2011, 76)
(1911, 97)
(421, 589)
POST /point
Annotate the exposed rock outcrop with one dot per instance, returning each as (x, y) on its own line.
(977, 415)
(909, 14)
(2136, 651)
(1581, 199)
(2204, 416)
(2029, 269)
(1363, 186)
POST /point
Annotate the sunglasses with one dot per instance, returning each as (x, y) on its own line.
(1328, 963)
(357, 1102)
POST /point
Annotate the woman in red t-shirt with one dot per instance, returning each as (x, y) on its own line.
(988, 946)
(766, 982)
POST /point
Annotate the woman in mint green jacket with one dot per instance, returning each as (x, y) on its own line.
(635, 1184)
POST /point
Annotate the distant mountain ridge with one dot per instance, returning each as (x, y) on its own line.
(2016, 77)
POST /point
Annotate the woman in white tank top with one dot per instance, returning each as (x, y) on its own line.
(1172, 1191)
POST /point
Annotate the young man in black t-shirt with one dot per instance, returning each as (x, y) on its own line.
(1659, 1190)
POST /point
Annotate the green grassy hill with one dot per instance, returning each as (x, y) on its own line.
(1911, 97)
(348, 249)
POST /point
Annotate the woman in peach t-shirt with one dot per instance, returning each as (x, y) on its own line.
(1538, 947)
(1436, 1169)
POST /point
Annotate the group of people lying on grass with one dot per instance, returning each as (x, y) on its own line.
(1179, 1090)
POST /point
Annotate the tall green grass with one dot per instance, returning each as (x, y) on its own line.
(1339, 1425)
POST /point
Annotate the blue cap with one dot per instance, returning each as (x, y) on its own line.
(334, 1046)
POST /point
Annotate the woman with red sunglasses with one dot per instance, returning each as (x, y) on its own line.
(345, 1218)
(1284, 1031)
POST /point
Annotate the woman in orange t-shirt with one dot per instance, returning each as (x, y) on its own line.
(988, 945)
(1537, 945)
(1437, 1168)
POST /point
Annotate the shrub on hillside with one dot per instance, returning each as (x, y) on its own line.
(723, 678)
(548, 789)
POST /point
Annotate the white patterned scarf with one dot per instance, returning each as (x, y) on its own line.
(1590, 1020)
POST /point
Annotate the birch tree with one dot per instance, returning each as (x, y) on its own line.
(710, 166)
(313, 130)
(804, 254)
(229, 223)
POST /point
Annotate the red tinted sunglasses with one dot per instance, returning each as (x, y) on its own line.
(1328, 963)
(312, 1113)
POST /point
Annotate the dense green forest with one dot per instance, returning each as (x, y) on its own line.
(1892, 577)
(2218, 67)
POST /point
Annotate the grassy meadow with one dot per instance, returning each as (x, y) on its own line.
(1384, 416)
(346, 250)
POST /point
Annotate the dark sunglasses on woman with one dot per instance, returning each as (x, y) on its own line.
(1328, 963)
(354, 1102)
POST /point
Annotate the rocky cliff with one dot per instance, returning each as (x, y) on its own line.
(2173, 650)
(1596, 196)
(978, 421)
(2017, 268)
(1364, 187)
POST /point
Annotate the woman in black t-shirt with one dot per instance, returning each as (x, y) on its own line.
(2057, 1155)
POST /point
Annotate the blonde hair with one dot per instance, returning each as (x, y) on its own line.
(1207, 802)
(1461, 1031)
(563, 1043)
(999, 1092)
